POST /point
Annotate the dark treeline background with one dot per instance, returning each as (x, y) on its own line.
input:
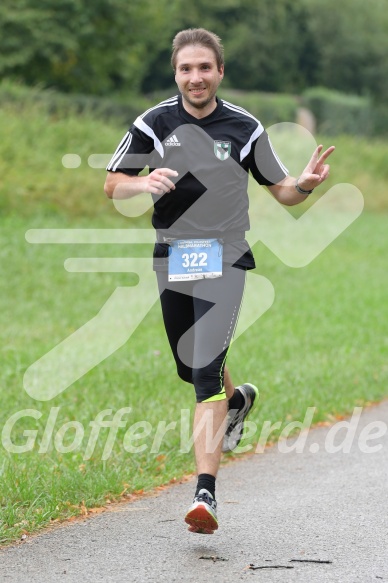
(123, 46)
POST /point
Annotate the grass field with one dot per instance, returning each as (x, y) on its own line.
(322, 344)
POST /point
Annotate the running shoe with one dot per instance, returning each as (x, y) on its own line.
(236, 417)
(202, 514)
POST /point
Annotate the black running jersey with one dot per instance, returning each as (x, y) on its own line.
(212, 156)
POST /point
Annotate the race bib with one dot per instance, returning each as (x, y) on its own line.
(194, 259)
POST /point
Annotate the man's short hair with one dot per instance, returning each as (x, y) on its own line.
(197, 36)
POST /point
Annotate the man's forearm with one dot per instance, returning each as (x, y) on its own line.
(286, 193)
(120, 186)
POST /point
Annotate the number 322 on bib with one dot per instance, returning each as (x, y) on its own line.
(194, 259)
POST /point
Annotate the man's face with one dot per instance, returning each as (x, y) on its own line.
(198, 78)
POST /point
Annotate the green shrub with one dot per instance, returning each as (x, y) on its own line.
(337, 113)
(123, 109)
(269, 108)
(380, 120)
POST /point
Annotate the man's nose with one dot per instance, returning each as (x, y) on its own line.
(196, 76)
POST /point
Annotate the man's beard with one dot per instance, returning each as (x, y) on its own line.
(201, 104)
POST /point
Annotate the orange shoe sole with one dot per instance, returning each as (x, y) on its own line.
(201, 521)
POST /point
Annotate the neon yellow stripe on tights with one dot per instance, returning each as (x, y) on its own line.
(219, 397)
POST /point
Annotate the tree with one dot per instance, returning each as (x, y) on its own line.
(78, 45)
(353, 45)
(109, 46)
(269, 48)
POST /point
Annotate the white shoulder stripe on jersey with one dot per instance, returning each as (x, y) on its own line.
(139, 123)
(285, 170)
(247, 148)
(122, 147)
(171, 101)
(239, 109)
(245, 151)
(123, 151)
(258, 131)
(126, 141)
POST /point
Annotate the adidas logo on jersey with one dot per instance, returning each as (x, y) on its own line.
(172, 141)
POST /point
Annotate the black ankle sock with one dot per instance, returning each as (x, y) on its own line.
(237, 401)
(208, 482)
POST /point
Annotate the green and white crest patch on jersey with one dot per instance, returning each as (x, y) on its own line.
(222, 149)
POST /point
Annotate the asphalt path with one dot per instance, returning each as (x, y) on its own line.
(315, 516)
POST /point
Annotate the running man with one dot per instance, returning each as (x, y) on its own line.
(201, 150)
